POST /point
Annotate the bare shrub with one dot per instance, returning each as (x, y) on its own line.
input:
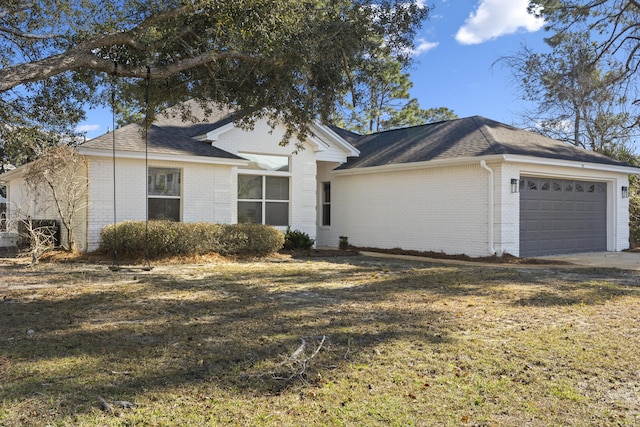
(59, 178)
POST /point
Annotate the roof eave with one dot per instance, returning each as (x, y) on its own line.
(94, 152)
(428, 164)
(214, 135)
(341, 142)
(630, 170)
(13, 173)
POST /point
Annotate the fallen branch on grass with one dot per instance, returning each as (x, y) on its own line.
(105, 406)
(296, 364)
(111, 407)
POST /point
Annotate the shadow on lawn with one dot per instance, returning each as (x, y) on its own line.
(238, 330)
(587, 293)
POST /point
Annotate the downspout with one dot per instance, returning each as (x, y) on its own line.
(86, 207)
(490, 212)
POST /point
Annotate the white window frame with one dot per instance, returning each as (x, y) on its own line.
(263, 200)
(165, 196)
(324, 203)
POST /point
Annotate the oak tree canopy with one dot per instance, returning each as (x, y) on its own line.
(287, 60)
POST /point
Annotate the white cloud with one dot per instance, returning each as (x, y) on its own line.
(495, 18)
(87, 128)
(423, 46)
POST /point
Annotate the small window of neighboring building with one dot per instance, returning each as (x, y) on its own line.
(326, 203)
(164, 189)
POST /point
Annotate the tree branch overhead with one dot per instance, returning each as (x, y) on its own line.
(293, 59)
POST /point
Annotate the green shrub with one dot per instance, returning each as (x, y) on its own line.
(297, 239)
(162, 238)
(249, 239)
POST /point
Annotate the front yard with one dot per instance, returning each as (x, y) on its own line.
(328, 341)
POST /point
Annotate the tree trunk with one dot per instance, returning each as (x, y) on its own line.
(576, 126)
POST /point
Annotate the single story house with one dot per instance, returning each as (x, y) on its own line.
(469, 186)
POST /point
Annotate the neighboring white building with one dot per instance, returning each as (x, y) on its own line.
(469, 186)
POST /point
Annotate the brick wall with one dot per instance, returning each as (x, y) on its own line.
(205, 193)
(303, 197)
(430, 209)
(446, 209)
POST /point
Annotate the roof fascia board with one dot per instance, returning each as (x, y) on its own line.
(572, 164)
(214, 135)
(13, 173)
(429, 164)
(630, 170)
(350, 149)
(319, 144)
(164, 157)
(328, 156)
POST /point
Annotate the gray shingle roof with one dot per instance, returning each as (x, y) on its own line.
(169, 134)
(462, 138)
(469, 137)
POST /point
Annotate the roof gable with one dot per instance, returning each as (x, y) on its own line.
(462, 138)
(196, 134)
(328, 145)
(171, 134)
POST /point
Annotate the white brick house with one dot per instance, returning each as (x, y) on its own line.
(470, 186)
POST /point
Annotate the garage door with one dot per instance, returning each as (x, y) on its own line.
(562, 216)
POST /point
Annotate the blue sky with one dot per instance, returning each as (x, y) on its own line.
(461, 43)
(455, 52)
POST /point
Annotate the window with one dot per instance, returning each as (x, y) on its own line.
(163, 186)
(266, 162)
(263, 199)
(326, 203)
(3, 208)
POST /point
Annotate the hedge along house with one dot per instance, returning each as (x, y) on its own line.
(470, 186)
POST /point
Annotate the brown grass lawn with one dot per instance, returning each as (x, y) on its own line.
(344, 341)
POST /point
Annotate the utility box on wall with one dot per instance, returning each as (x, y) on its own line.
(48, 227)
(8, 244)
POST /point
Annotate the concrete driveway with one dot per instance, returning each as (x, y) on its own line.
(622, 260)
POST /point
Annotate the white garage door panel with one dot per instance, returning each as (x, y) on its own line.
(562, 216)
